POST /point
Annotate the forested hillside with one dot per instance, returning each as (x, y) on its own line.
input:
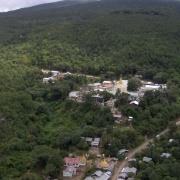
(103, 38)
(108, 37)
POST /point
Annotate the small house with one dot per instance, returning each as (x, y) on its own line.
(69, 171)
(129, 170)
(97, 174)
(146, 159)
(95, 142)
(74, 95)
(47, 80)
(88, 139)
(134, 103)
(89, 178)
(132, 160)
(123, 175)
(166, 155)
(122, 151)
(54, 73)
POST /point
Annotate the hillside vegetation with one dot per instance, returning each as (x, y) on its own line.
(39, 126)
(101, 38)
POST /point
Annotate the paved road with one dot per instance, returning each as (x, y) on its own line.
(136, 150)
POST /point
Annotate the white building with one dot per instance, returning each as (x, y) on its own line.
(47, 80)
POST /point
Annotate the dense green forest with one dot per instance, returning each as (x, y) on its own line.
(103, 38)
(109, 37)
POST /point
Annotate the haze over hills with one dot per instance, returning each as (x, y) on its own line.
(42, 4)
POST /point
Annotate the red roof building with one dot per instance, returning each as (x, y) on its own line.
(72, 161)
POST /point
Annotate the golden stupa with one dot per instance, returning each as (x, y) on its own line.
(104, 164)
(83, 159)
(120, 80)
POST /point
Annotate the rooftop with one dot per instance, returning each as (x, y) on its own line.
(69, 160)
(167, 155)
(122, 151)
(146, 159)
(129, 170)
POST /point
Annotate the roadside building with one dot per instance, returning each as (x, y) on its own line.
(129, 170)
(89, 178)
(122, 151)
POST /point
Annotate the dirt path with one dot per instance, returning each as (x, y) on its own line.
(130, 155)
(133, 152)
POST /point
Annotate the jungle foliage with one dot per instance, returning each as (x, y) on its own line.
(104, 38)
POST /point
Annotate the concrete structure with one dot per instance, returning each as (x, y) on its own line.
(122, 151)
(95, 142)
(134, 102)
(47, 80)
(54, 76)
(89, 178)
(129, 170)
(98, 173)
(55, 73)
(88, 139)
(123, 176)
(74, 95)
(69, 171)
(72, 161)
(166, 155)
(132, 160)
(146, 159)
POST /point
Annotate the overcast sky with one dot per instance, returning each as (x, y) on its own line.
(7, 5)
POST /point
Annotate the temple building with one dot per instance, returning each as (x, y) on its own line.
(121, 85)
(83, 161)
(104, 164)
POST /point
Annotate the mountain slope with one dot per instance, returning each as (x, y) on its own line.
(98, 37)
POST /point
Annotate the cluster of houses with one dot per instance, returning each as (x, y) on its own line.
(106, 165)
(125, 172)
(53, 75)
(131, 171)
(72, 163)
(112, 87)
(99, 175)
(108, 86)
